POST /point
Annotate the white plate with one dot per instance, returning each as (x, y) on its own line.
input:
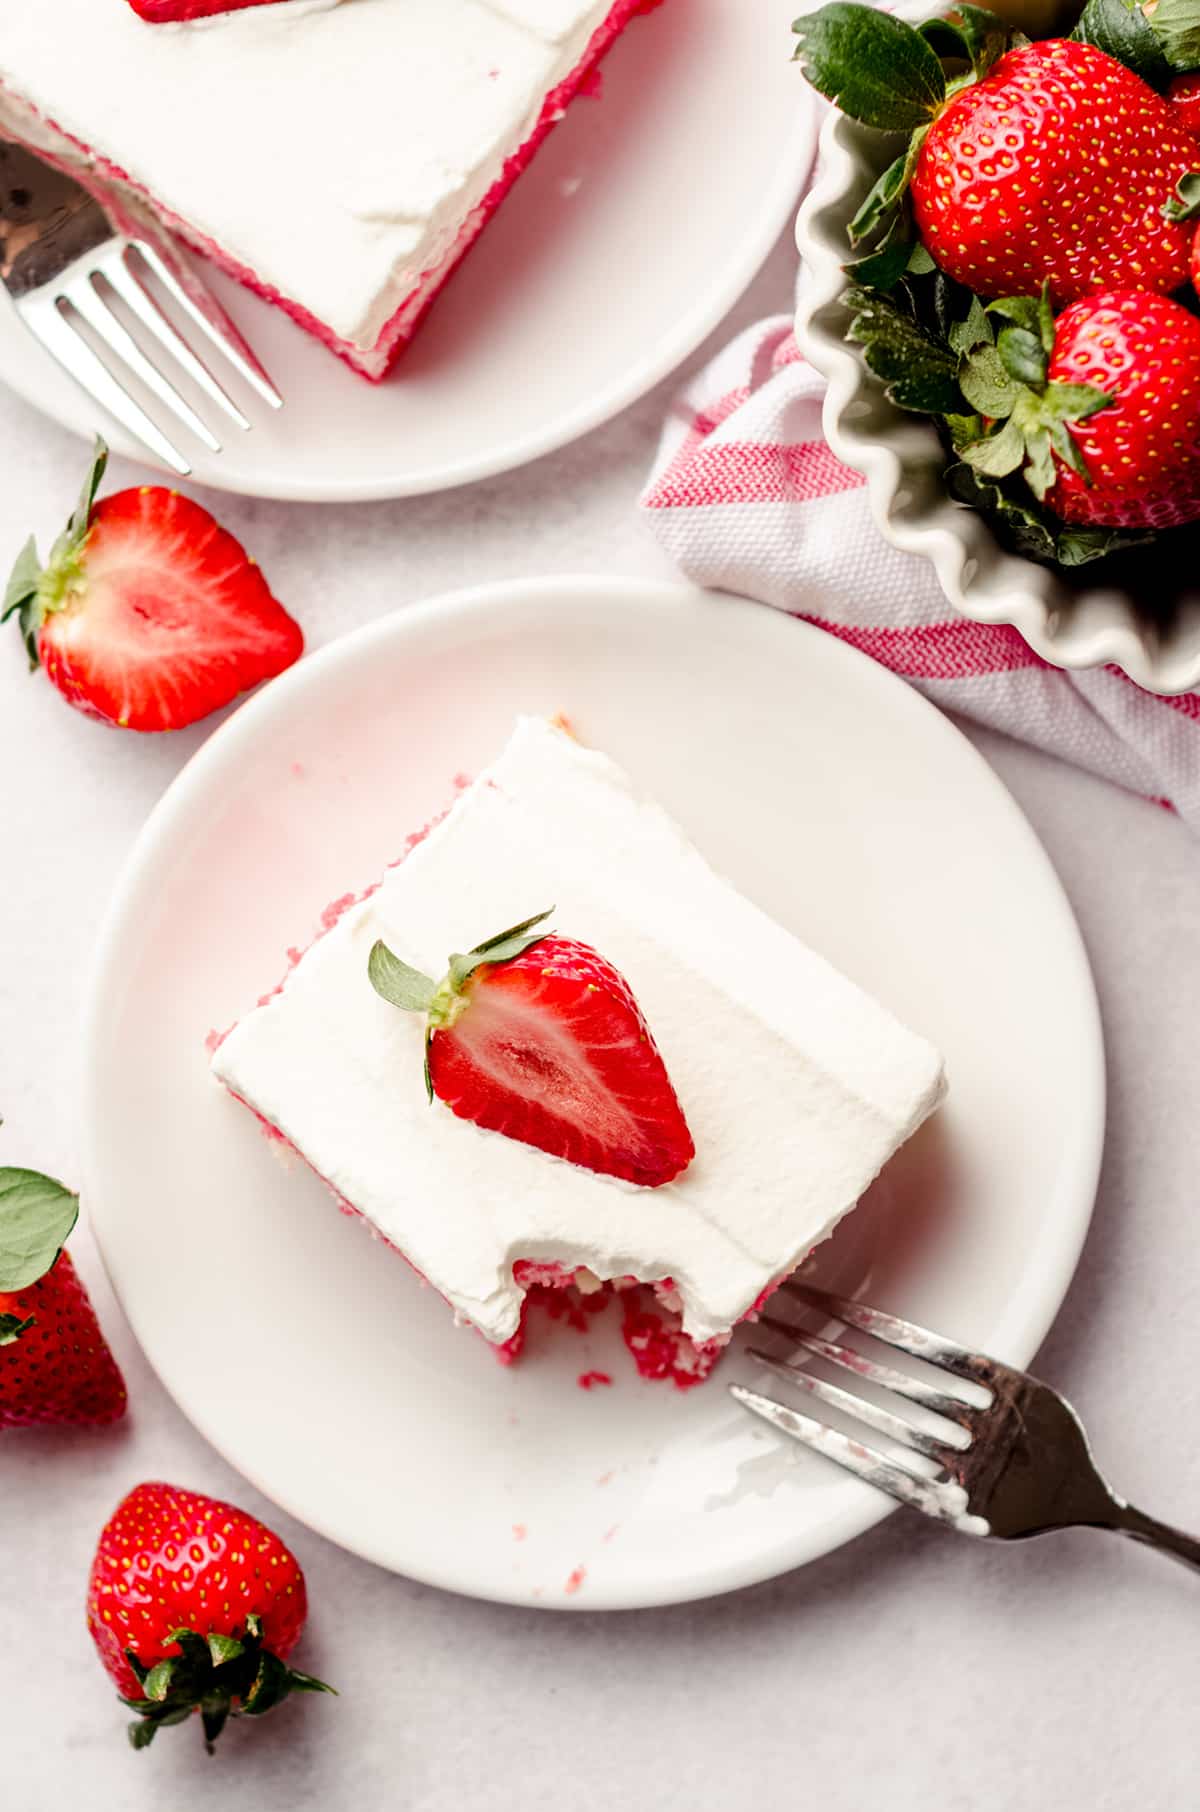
(309, 1355)
(636, 228)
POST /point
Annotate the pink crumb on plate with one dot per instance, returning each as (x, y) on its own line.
(519, 1531)
(575, 1581)
(589, 1380)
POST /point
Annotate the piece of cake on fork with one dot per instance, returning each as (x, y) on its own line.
(655, 1085)
(337, 156)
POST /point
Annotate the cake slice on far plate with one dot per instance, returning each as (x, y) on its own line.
(337, 156)
(691, 1021)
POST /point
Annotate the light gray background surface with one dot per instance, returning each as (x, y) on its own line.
(909, 1671)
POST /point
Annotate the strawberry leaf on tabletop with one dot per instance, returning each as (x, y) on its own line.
(36, 1216)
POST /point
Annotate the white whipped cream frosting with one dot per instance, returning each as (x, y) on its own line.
(333, 149)
(797, 1086)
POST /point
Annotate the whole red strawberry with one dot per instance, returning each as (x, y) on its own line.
(147, 613)
(538, 1037)
(193, 1605)
(1056, 167)
(55, 1366)
(1142, 454)
(1047, 163)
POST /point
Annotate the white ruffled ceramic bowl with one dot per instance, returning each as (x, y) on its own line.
(1144, 616)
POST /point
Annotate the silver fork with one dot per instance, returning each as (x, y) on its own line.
(64, 258)
(1006, 1456)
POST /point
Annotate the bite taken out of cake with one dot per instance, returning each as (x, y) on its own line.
(657, 1086)
(337, 156)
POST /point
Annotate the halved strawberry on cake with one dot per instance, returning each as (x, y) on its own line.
(657, 1086)
(337, 156)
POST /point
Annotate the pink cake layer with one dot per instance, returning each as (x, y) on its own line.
(376, 361)
(651, 1319)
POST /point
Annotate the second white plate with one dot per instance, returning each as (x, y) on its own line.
(636, 228)
(310, 1356)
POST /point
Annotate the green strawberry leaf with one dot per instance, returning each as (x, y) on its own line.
(887, 191)
(921, 263)
(224, 1648)
(920, 372)
(1022, 355)
(997, 454)
(976, 330)
(963, 429)
(157, 1683)
(1120, 28)
(1067, 448)
(36, 1215)
(505, 947)
(1176, 25)
(21, 598)
(986, 385)
(397, 983)
(1040, 469)
(12, 1327)
(878, 70)
(884, 268)
(1074, 402)
(1185, 203)
(970, 34)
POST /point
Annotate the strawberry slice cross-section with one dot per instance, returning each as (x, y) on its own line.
(539, 1037)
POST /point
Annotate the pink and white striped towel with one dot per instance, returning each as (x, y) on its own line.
(746, 495)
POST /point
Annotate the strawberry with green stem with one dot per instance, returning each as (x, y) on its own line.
(1044, 163)
(539, 1037)
(55, 1366)
(194, 1606)
(148, 614)
(1098, 410)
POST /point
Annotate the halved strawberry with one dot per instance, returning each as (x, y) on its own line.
(538, 1037)
(147, 613)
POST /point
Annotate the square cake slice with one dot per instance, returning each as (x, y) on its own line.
(797, 1087)
(337, 156)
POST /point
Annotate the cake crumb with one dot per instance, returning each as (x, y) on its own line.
(519, 1531)
(606, 1478)
(589, 1380)
(575, 1582)
(609, 1533)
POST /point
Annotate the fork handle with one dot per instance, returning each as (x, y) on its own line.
(1140, 1527)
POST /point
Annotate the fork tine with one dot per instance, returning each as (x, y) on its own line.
(120, 271)
(862, 1409)
(936, 1498)
(74, 354)
(202, 306)
(905, 1336)
(86, 300)
(901, 1384)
